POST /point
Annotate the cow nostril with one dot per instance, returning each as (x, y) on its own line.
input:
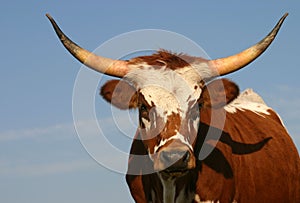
(186, 157)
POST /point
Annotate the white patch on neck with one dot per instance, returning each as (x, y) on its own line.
(248, 100)
(198, 200)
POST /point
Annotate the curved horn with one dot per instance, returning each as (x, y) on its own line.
(233, 63)
(104, 65)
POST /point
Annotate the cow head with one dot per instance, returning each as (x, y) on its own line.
(168, 99)
(168, 90)
(166, 96)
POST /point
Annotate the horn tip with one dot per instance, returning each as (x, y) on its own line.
(59, 33)
(49, 16)
(284, 16)
(281, 21)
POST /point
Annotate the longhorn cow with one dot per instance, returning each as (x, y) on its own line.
(185, 112)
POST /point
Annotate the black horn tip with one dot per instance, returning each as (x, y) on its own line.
(273, 33)
(283, 18)
(58, 31)
(51, 20)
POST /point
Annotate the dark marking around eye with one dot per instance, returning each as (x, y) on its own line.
(144, 111)
(143, 108)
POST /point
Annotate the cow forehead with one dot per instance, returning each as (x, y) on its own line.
(168, 89)
(165, 102)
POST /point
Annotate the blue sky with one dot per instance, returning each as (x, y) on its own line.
(41, 157)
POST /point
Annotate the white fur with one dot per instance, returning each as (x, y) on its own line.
(198, 200)
(248, 100)
(168, 89)
(178, 136)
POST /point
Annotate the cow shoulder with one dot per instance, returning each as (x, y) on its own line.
(218, 93)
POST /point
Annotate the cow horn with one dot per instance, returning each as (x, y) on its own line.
(117, 68)
(233, 63)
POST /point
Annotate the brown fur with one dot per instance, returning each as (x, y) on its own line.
(218, 93)
(270, 174)
(254, 160)
(267, 173)
(165, 58)
(120, 94)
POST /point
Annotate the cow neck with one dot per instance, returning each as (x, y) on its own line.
(179, 189)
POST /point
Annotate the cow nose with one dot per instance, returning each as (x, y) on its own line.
(175, 160)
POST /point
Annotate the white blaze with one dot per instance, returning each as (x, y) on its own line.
(178, 136)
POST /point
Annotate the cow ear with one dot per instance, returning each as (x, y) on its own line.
(120, 94)
(218, 93)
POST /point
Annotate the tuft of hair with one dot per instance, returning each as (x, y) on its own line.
(167, 59)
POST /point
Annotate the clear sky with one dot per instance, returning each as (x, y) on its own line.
(41, 157)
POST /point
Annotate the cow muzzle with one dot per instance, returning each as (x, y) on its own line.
(178, 160)
(174, 161)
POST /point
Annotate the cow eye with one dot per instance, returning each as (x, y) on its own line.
(143, 110)
(200, 105)
(143, 107)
